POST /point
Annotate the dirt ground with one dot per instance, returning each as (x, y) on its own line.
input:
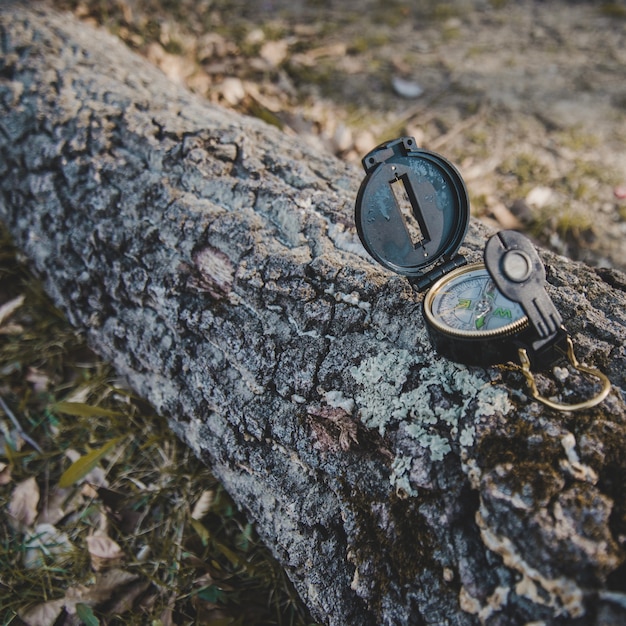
(527, 98)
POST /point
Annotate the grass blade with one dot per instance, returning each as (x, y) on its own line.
(82, 466)
(86, 615)
(80, 409)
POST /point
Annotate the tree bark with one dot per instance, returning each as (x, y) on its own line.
(213, 261)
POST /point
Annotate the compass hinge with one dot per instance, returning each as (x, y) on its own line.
(426, 280)
(381, 154)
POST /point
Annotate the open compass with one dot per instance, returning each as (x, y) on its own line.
(412, 214)
(469, 320)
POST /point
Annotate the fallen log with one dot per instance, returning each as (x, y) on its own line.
(214, 262)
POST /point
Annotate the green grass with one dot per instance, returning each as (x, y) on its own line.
(170, 568)
(613, 10)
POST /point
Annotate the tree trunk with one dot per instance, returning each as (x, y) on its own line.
(213, 261)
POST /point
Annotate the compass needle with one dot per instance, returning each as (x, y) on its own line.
(458, 304)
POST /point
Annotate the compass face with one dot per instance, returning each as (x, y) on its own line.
(467, 303)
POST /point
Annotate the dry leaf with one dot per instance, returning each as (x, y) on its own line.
(125, 601)
(232, 90)
(504, 216)
(80, 395)
(122, 508)
(11, 329)
(46, 541)
(89, 491)
(540, 197)
(333, 427)
(175, 67)
(203, 505)
(45, 614)
(39, 380)
(406, 88)
(113, 579)
(58, 504)
(8, 308)
(167, 616)
(5, 474)
(104, 552)
(106, 586)
(274, 52)
(311, 58)
(23, 505)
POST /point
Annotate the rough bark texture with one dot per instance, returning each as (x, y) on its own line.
(213, 261)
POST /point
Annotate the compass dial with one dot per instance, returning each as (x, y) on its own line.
(467, 303)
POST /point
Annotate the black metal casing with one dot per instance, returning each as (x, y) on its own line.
(440, 211)
(412, 214)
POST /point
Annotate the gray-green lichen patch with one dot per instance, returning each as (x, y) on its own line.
(400, 475)
(425, 402)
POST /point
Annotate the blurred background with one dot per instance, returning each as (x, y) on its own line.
(527, 98)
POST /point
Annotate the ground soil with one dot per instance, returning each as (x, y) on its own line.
(527, 98)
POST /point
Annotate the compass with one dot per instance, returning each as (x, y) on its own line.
(470, 320)
(412, 214)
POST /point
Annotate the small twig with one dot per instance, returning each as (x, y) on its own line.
(17, 425)
(438, 142)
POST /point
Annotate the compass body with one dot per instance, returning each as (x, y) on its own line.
(469, 320)
(412, 214)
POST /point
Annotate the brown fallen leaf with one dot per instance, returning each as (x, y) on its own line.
(167, 617)
(104, 551)
(39, 380)
(8, 308)
(5, 474)
(59, 503)
(333, 427)
(24, 501)
(122, 508)
(125, 601)
(11, 329)
(106, 586)
(504, 216)
(203, 504)
(43, 614)
(274, 52)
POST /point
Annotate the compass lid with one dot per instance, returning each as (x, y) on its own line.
(412, 210)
